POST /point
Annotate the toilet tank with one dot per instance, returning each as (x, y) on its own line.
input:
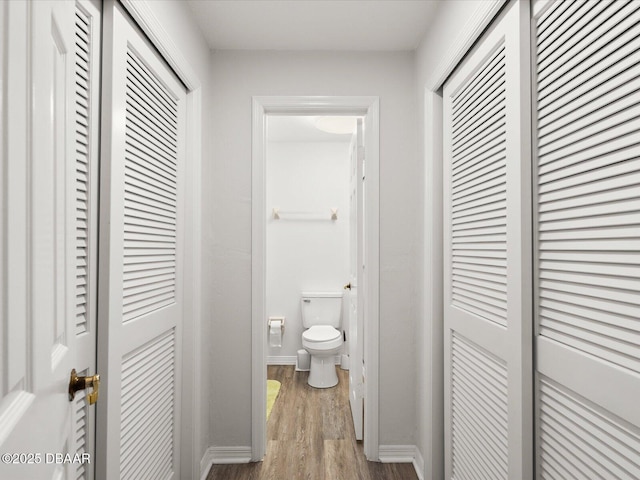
(321, 308)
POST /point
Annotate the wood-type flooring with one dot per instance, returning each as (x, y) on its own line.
(310, 436)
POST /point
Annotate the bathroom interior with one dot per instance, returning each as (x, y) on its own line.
(310, 248)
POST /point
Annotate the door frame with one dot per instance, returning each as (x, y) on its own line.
(141, 11)
(314, 105)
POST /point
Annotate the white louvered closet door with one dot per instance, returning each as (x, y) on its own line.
(142, 226)
(587, 318)
(487, 175)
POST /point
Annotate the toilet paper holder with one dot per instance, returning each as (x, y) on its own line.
(272, 319)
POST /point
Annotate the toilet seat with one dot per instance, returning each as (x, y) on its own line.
(321, 333)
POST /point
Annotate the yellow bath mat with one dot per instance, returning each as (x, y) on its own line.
(273, 387)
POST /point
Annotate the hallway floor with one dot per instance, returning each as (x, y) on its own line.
(310, 436)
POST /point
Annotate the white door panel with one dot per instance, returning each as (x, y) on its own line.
(42, 342)
(587, 295)
(356, 300)
(487, 343)
(141, 257)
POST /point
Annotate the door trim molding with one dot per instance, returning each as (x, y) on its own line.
(143, 14)
(312, 105)
(431, 390)
(478, 22)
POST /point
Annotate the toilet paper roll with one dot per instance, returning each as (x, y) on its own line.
(275, 333)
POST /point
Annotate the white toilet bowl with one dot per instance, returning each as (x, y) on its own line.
(322, 342)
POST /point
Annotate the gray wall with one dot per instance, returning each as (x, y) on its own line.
(236, 77)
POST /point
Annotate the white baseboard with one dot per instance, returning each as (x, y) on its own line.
(387, 453)
(291, 360)
(397, 453)
(223, 455)
(282, 360)
(402, 454)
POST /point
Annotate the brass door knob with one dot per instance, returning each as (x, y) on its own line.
(347, 286)
(77, 383)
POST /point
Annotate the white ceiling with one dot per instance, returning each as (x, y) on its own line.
(373, 25)
(289, 128)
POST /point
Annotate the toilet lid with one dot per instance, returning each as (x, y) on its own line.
(320, 333)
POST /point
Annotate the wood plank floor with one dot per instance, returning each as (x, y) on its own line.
(310, 436)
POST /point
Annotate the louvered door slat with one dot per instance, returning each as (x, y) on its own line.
(493, 274)
(487, 117)
(465, 98)
(137, 100)
(563, 10)
(581, 42)
(605, 182)
(597, 77)
(581, 173)
(147, 143)
(582, 439)
(153, 141)
(579, 113)
(475, 191)
(141, 184)
(140, 159)
(138, 107)
(82, 160)
(138, 94)
(488, 167)
(588, 237)
(149, 87)
(488, 106)
(620, 328)
(150, 417)
(489, 143)
(482, 388)
(145, 188)
(80, 432)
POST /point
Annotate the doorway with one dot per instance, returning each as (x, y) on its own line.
(367, 108)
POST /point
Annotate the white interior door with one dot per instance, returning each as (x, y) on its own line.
(587, 177)
(49, 150)
(356, 310)
(487, 272)
(141, 287)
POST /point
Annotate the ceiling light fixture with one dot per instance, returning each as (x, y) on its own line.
(337, 125)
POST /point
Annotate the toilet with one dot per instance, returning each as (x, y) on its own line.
(322, 317)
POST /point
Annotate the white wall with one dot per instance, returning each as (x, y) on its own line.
(305, 252)
(238, 76)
